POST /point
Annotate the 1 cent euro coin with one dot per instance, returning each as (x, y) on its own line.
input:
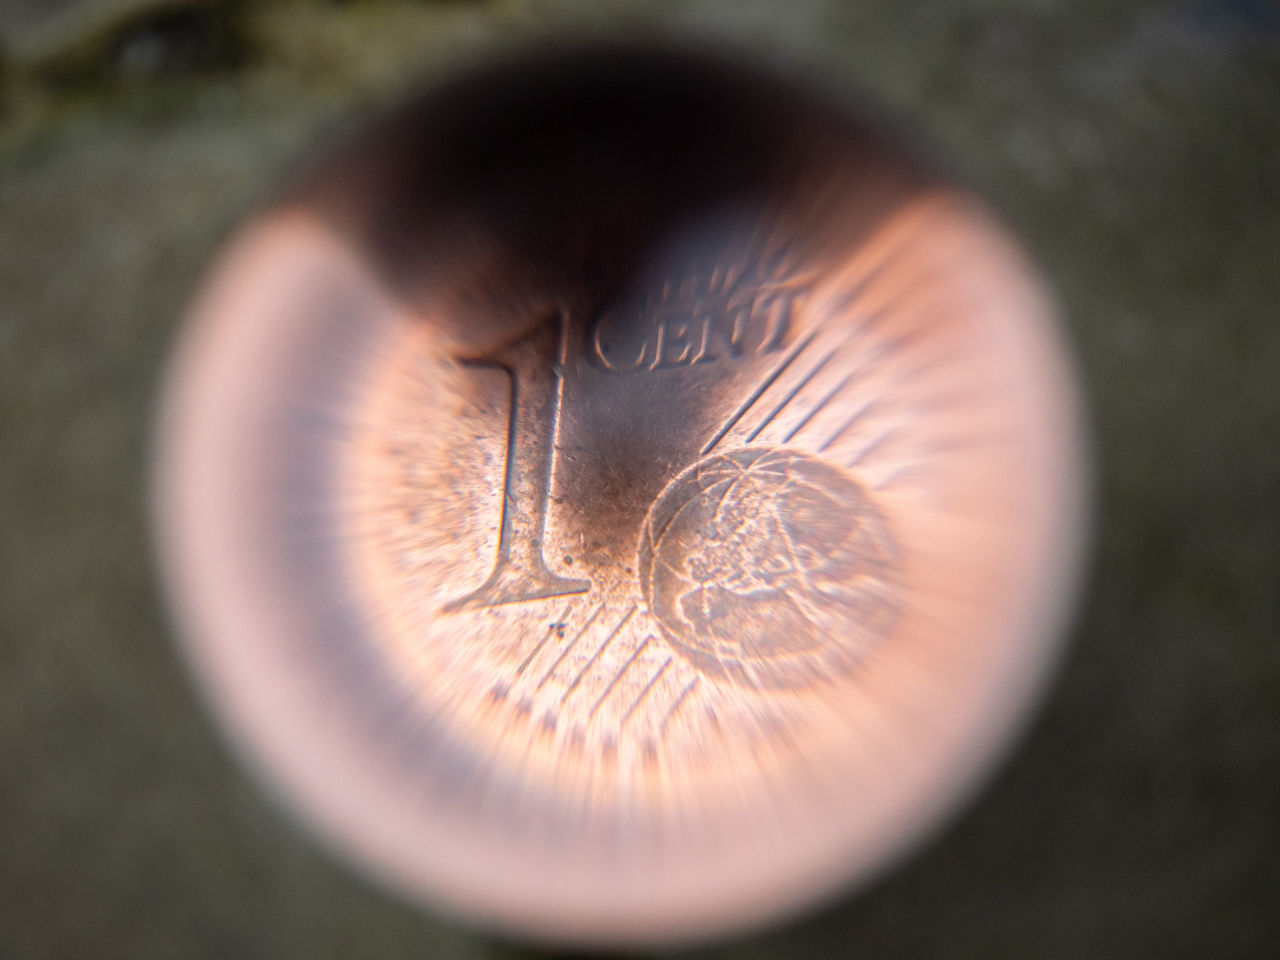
(620, 496)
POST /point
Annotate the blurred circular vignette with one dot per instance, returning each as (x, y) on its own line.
(769, 476)
(621, 496)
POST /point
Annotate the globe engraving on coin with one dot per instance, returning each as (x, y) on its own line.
(622, 497)
(767, 567)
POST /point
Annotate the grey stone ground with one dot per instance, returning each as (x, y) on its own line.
(1135, 146)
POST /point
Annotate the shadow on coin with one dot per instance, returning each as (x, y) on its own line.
(590, 181)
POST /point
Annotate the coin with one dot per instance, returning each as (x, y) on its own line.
(622, 496)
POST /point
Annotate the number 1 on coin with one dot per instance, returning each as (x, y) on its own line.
(533, 363)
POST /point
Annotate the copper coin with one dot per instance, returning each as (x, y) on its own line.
(621, 496)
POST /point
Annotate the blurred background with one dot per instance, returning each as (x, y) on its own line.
(1134, 146)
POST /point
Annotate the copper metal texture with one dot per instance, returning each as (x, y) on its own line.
(620, 496)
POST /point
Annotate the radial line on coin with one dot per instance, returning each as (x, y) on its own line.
(759, 391)
(862, 454)
(840, 431)
(791, 395)
(675, 707)
(830, 395)
(596, 656)
(896, 472)
(543, 642)
(569, 646)
(635, 655)
(873, 272)
(645, 692)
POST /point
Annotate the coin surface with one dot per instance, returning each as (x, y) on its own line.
(621, 496)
